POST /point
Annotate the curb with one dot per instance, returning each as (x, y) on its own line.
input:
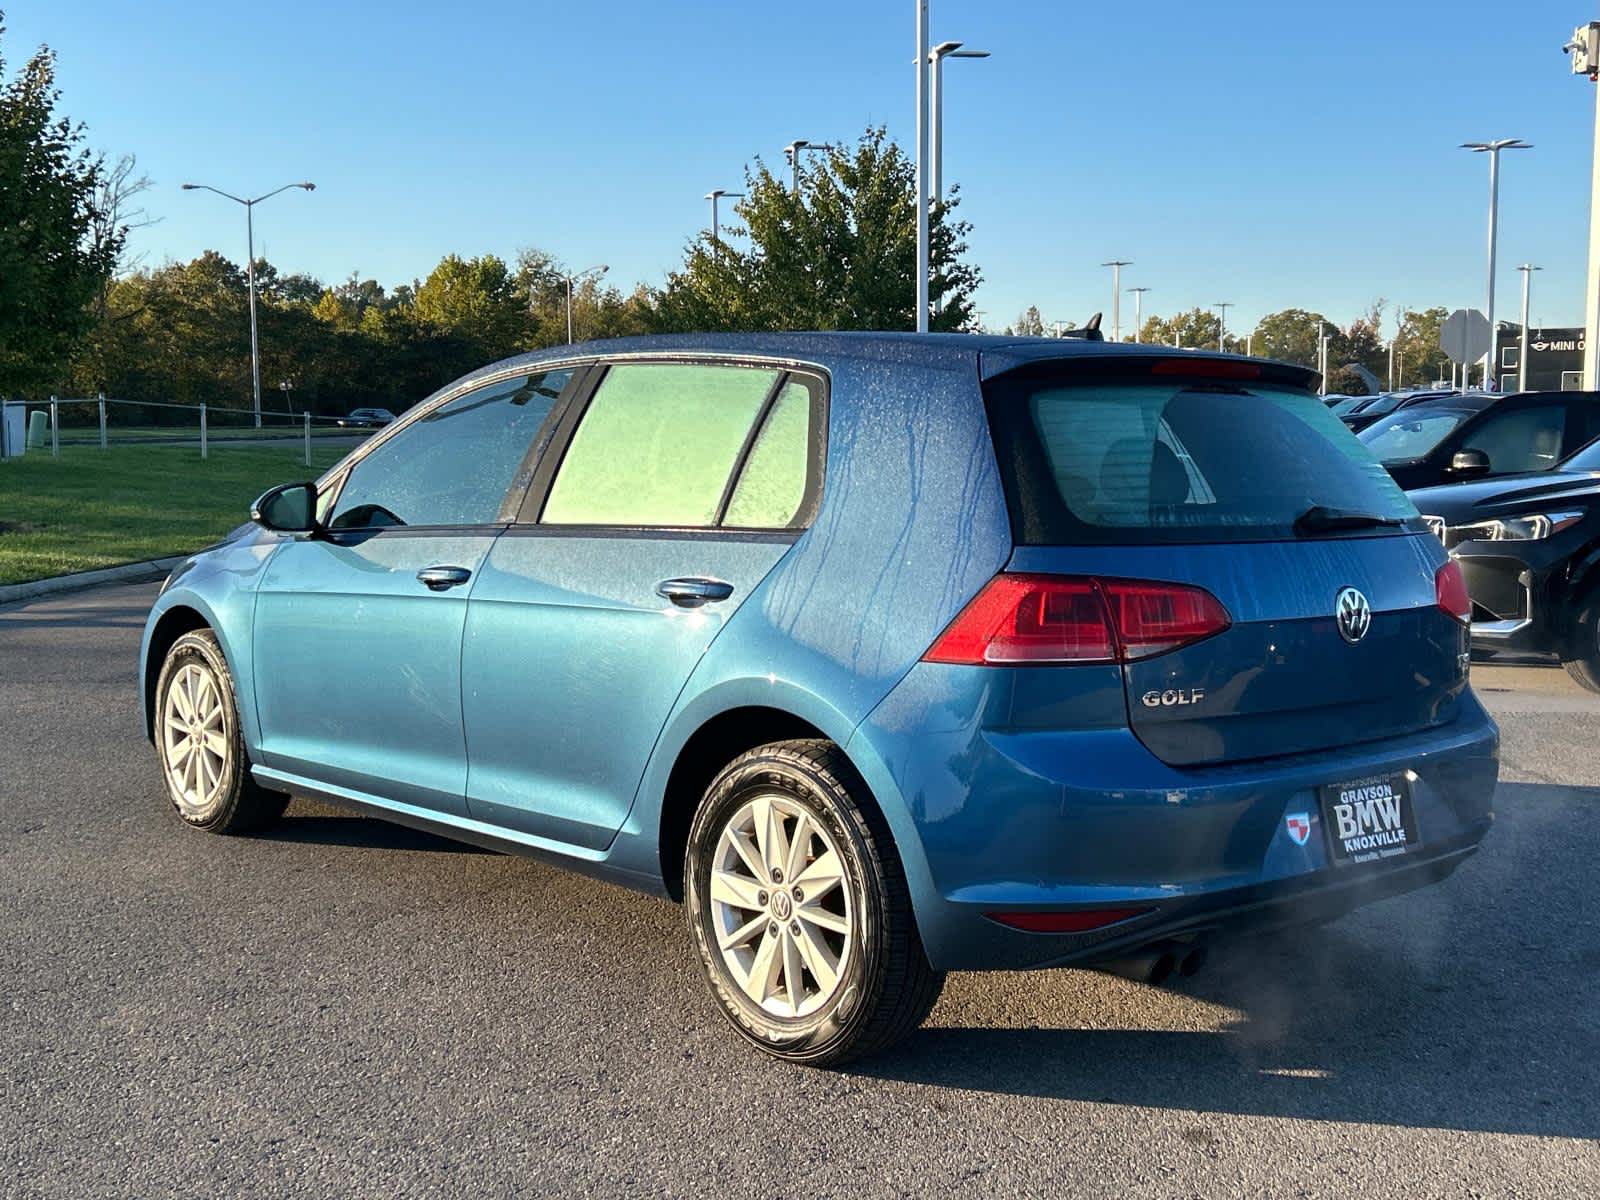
(135, 572)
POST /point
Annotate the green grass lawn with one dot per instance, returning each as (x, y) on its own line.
(96, 508)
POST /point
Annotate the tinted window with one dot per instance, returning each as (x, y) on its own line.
(454, 465)
(1142, 462)
(1412, 433)
(772, 485)
(1523, 439)
(657, 445)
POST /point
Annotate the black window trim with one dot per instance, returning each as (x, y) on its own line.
(814, 378)
(334, 480)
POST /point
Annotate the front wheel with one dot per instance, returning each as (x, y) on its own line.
(799, 909)
(202, 751)
(1582, 657)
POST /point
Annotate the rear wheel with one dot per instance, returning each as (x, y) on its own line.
(203, 760)
(1582, 657)
(799, 909)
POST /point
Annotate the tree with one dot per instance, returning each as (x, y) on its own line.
(1196, 329)
(55, 251)
(1030, 323)
(1418, 361)
(1289, 336)
(838, 252)
(473, 299)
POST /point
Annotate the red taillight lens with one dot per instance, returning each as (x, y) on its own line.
(1019, 619)
(1450, 589)
(1065, 922)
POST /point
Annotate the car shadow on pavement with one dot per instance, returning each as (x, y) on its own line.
(1436, 1009)
(323, 826)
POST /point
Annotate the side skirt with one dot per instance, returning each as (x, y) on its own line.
(581, 859)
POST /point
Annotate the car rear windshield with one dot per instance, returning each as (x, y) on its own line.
(1412, 433)
(1113, 462)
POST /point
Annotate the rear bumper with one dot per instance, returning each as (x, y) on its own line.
(1035, 820)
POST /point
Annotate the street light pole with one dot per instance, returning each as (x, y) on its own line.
(1527, 270)
(1116, 266)
(571, 279)
(922, 165)
(1222, 322)
(792, 153)
(250, 272)
(1138, 310)
(936, 58)
(714, 196)
(1492, 149)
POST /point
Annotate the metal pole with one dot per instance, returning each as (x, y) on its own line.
(1222, 322)
(714, 226)
(922, 165)
(102, 400)
(1591, 285)
(569, 310)
(55, 430)
(1138, 311)
(1494, 218)
(936, 107)
(250, 275)
(1527, 270)
(308, 437)
(1391, 365)
(204, 450)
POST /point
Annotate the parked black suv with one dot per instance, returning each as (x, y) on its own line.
(1529, 547)
(1479, 435)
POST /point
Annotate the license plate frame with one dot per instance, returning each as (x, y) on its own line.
(1368, 820)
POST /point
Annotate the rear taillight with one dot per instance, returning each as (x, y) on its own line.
(1450, 590)
(1079, 921)
(1020, 619)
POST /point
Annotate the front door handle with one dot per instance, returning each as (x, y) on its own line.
(692, 593)
(442, 579)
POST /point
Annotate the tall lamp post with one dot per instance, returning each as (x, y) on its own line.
(1116, 266)
(250, 271)
(1492, 149)
(936, 58)
(1222, 322)
(792, 152)
(573, 278)
(1527, 270)
(920, 62)
(1138, 310)
(714, 196)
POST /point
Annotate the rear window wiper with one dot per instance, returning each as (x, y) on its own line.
(1321, 519)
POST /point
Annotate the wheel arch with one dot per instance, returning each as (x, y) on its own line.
(179, 618)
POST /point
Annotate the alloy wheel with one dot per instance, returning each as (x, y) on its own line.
(780, 906)
(195, 737)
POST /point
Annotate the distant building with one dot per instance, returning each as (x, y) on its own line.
(1555, 359)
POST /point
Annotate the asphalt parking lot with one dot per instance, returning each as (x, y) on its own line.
(350, 1008)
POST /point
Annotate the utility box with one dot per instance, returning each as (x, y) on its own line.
(13, 435)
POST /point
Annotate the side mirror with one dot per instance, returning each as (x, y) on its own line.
(1470, 462)
(287, 508)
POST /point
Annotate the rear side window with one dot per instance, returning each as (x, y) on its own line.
(680, 445)
(1412, 433)
(455, 465)
(1175, 462)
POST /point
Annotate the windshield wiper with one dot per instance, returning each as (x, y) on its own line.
(1321, 519)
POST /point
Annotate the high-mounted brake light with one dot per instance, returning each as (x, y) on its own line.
(1055, 619)
(1207, 368)
(1450, 590)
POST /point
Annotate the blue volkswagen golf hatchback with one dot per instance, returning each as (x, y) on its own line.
(886, 655)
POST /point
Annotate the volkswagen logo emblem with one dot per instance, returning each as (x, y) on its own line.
(1352, 614)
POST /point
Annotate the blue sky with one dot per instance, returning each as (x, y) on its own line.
(1266, 154)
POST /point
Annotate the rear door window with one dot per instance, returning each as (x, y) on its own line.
(1522, 439)
(1148, 462)
(690, 446)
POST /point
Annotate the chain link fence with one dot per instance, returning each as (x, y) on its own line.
(65, 425)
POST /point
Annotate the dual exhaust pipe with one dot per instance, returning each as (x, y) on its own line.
(1155, 964)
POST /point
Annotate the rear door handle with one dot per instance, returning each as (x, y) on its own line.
(441, 579)
(692, 593)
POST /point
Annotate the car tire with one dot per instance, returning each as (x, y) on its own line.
(1582, 657)
(200, 746)
(818, 977)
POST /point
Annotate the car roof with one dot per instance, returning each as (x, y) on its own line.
(991, 354)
